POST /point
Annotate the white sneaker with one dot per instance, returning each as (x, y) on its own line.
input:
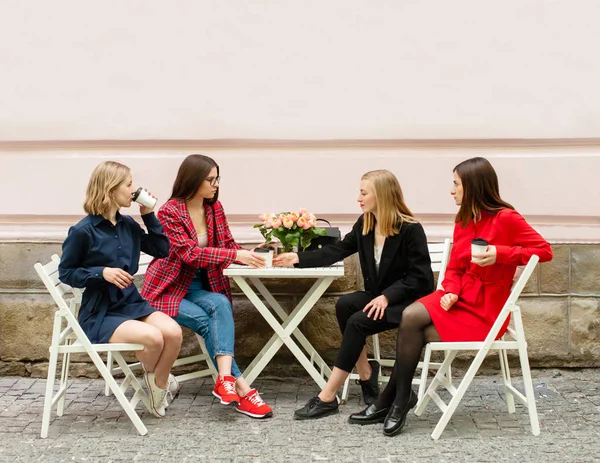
(172, 389)
(157, 396)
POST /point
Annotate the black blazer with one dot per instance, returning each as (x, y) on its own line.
(404, 270)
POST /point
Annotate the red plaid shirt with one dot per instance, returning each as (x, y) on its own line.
(167, 280)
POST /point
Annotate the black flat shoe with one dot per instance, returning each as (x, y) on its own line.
(396, 417)
(316, 408)
(369, 415)
(370, 387)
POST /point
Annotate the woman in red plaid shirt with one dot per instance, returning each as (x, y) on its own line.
(189, 284)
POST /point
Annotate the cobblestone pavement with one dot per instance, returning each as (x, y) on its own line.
(197, 428)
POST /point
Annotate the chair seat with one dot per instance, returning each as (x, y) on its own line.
(112, 347)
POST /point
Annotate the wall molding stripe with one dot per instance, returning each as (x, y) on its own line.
(26, 145)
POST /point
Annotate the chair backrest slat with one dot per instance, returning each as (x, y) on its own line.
(49, 275)
(439, 253)
(510, 303)
(51, 270)
(521, 280)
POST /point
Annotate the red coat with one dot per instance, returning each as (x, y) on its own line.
(482, 291)
(167, 280)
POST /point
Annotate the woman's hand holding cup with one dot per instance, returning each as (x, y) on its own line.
(287, 259)
(250, 258)
(486, 258)
(478, 247)
(267, 255)
(145, 199)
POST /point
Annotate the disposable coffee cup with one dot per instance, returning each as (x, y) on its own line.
(478, 246)
(267, 254)
(142, 197)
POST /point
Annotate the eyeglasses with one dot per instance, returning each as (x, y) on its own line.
(214, 180)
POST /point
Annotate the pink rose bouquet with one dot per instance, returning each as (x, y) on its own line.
(290, 228)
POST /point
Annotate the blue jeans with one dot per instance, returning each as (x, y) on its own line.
(211, 316)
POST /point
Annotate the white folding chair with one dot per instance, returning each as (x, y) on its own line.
(514, 339)
(210, 369)
(439, 254)
(67, 338)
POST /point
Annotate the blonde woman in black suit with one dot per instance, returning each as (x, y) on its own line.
(396, 268)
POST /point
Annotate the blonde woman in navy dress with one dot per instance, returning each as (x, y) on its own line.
(101, 254)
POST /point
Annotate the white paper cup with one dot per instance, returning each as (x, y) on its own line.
(268, 259)
(267, 255)
(478, 248)
(142, 197)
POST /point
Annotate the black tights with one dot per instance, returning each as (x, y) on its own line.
(415, 330)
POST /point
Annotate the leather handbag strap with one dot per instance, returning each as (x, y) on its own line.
(324, 220)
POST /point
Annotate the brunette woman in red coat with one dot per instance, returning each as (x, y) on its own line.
(475, 286)
(189, 284)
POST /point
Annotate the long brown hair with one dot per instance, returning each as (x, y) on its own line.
(192, 172)
(104, 180)
(392, 212)
(480, 190)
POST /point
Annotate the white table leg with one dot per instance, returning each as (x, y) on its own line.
(283, 335)
(286, 319)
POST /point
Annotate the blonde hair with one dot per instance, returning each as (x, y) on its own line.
(104, 180)
(392, 212)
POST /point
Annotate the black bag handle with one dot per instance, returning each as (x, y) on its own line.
(324, 220)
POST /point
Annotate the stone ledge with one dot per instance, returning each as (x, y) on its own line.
(546, 325)
(561, 313)
(585, 269)
(554, 275)
(25, 326)
(585, 329)
(17, 261)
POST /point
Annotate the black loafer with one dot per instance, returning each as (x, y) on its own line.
(316, 408)
(369, 415)
(396, 417)
(370, 387)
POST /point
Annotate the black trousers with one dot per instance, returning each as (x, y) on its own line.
(355, 327)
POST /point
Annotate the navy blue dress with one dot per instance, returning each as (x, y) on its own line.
(95, 243)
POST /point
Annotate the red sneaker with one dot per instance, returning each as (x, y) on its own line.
(253, 405)
(224, 390)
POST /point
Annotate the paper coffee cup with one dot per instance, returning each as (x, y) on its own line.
(142, 197)
(267, 254)
(478, 246)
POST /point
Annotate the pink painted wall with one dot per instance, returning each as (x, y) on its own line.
(288, 69)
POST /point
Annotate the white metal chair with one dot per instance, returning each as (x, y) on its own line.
(514, 339)
(67, 338)
(439, 254)
(210, 369)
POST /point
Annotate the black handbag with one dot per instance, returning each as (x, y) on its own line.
(333, 236)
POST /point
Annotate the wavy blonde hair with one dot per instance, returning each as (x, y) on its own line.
(104, 180)
(392, 211)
